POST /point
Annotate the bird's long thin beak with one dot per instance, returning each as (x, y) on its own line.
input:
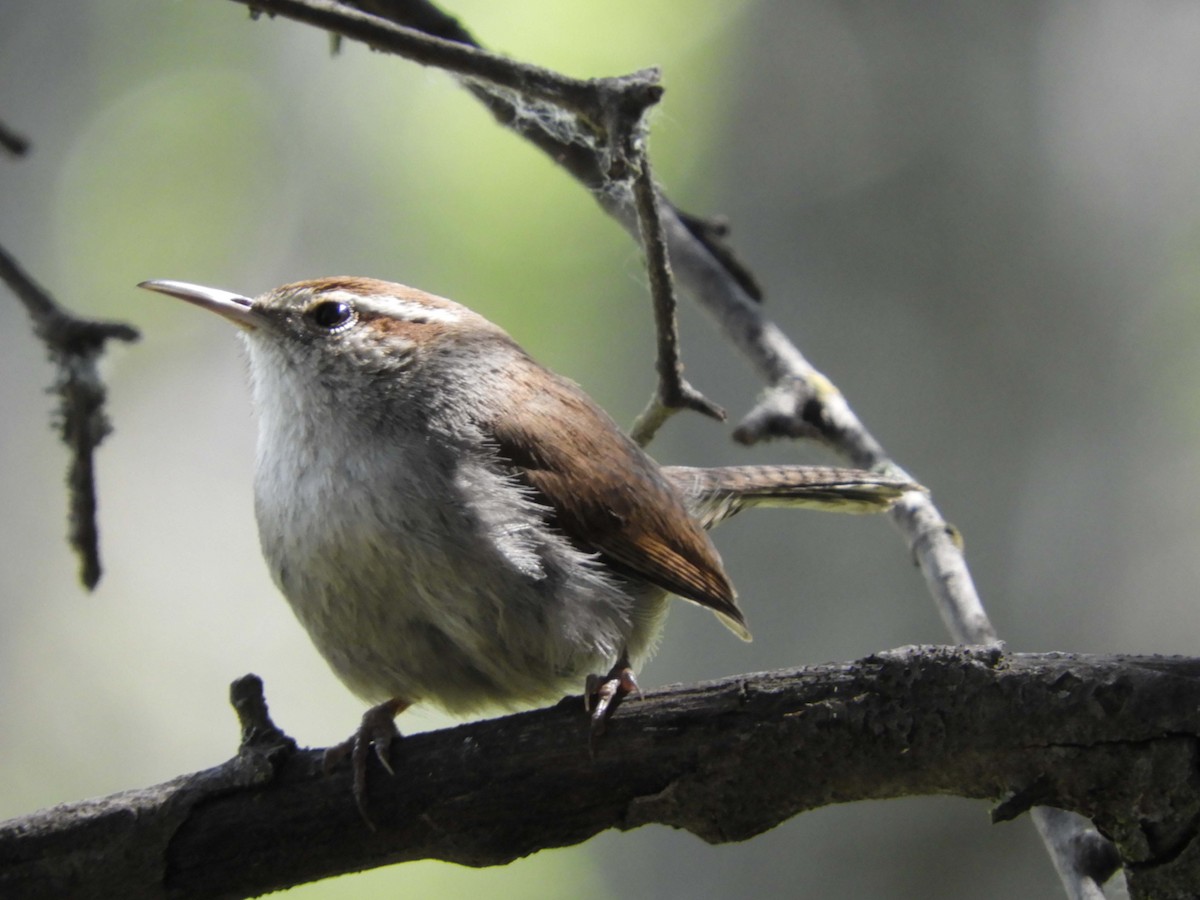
(234, 307)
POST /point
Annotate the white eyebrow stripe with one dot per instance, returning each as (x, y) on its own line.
(398, 307)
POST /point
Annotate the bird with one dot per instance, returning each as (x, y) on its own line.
(455, 524)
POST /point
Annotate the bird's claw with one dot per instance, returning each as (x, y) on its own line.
(603, 694)
(377, 730)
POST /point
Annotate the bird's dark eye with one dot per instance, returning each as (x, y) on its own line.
(332, 315)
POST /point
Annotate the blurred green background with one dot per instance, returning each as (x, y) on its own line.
(979, 219)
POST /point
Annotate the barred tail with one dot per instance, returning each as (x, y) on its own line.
(714, 494)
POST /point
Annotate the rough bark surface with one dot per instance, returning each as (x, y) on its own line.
(1114, 738)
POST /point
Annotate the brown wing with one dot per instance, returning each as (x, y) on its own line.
(607, 496)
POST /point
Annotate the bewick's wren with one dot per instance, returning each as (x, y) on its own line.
(454, 523)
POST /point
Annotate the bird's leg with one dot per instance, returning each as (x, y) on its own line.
(603, 694)
(378, 730)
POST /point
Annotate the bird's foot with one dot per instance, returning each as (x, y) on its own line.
(378, 730)
(604, 694)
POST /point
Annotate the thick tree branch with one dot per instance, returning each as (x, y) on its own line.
(1115, 738)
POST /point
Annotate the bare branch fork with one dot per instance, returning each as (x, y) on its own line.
(601, 141)
(75, 346)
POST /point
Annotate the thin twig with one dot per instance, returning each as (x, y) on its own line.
(673, 392)
(712, 232)
(1093, 859)
(74, 345)
(594, 101)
